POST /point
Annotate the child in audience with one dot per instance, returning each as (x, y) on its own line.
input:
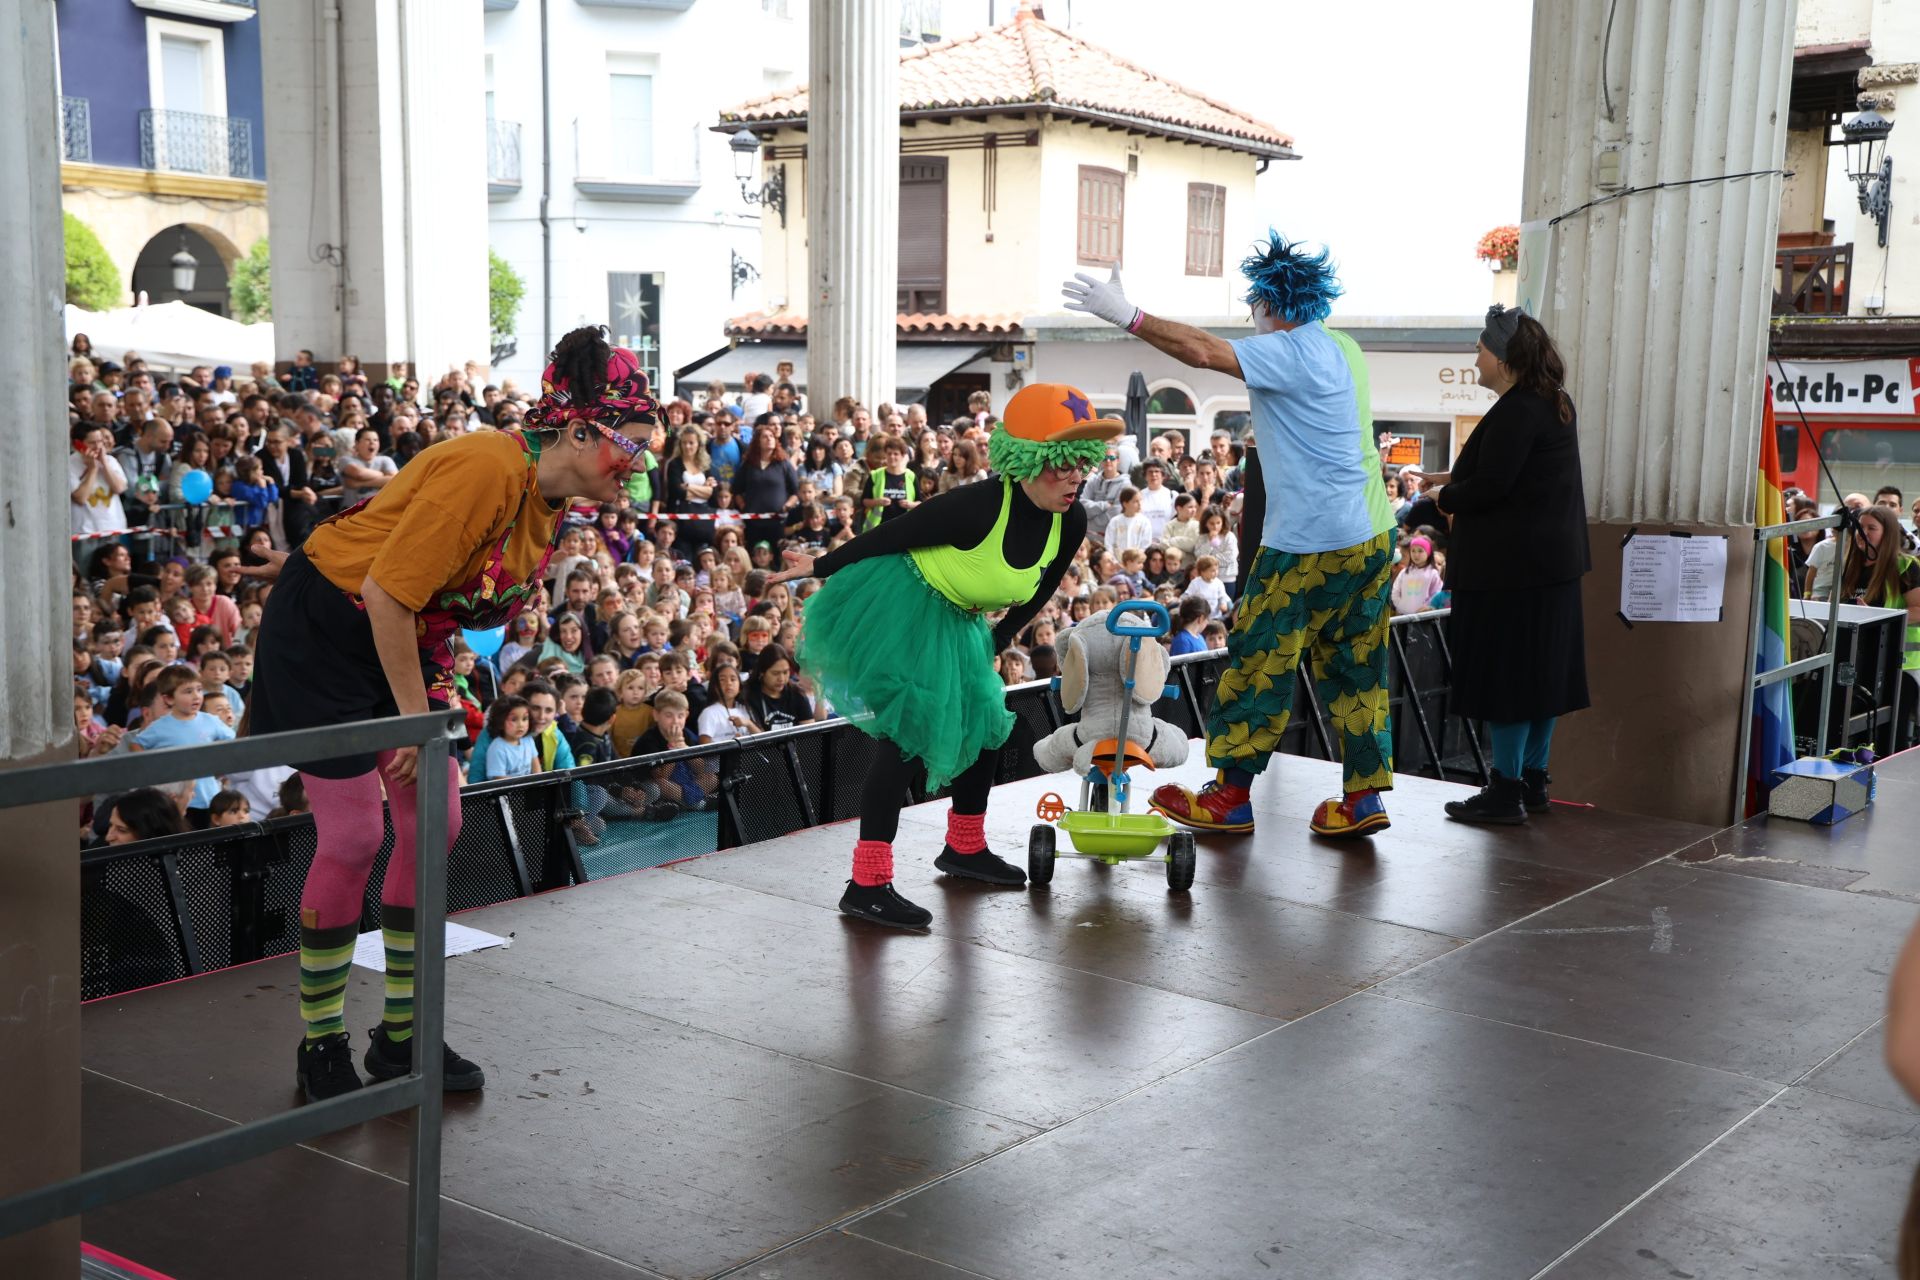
(510, 754)
(230, 809)
(184, 724)
(632, 717)
(1206, 585)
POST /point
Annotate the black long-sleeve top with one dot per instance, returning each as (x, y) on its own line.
(963, 518)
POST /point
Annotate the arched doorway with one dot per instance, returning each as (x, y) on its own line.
(153, 271)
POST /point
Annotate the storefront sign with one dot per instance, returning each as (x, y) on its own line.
(1404, 451)
(1874, 388)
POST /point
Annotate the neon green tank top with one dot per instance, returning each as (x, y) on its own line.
(980, 580)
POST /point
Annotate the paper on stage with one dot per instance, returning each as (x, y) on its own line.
(370, 953)
(1673, 578)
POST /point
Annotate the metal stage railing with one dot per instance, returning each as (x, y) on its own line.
(418, 1092)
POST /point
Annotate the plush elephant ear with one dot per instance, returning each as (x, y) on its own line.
(1073, 672)
(1150, 670)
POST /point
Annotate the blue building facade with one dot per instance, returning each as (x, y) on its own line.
(163, 126)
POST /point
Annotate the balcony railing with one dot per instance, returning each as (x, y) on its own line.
(189, 142)
(76, 130)
(503, 156)
(1813, 279)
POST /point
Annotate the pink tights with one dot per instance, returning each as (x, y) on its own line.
(346, 822)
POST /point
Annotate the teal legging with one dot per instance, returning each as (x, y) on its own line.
(1521, 744)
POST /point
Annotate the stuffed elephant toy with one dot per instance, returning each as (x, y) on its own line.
(1092, 668)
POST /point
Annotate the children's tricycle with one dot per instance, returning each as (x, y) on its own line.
(1101, 827)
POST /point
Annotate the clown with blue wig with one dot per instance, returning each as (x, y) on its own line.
(1317, 586)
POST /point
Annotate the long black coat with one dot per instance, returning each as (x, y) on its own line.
(1518, 506)
(1515, 556)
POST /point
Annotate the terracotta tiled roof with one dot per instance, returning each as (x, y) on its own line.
(759, 324)
(1027, 63)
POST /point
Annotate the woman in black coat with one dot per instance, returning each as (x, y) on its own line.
(765, 482)
(1516, 553)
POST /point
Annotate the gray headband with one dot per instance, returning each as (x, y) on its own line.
(1501, 326)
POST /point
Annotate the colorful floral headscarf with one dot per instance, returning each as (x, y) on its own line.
(626, 395)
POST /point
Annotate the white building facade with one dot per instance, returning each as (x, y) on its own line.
(609, 193)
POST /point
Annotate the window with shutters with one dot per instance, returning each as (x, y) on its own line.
(1206, 228)
(1102, 220)
(922, 286)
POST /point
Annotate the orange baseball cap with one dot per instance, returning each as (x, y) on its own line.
(1048, 411)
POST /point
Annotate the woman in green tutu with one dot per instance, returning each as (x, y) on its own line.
(898, 640)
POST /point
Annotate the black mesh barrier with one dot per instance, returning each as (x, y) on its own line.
(759, 793)
(129, 935)
(205, 879)
(172, 907)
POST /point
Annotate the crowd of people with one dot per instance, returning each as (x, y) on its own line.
(657, 602)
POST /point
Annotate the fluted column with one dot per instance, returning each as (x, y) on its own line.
(1659, 301)
(853, 200)
(39, 878)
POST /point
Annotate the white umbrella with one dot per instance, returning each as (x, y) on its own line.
(172, 335)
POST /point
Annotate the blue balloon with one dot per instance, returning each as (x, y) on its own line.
(196, 487)
(485, 643)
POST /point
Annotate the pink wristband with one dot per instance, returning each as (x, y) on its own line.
(1134, 325)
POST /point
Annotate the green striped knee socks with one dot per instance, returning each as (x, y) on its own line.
(327, 954)
(325, 957)
(396, 931)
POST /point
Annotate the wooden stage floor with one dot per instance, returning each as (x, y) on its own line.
(1599, 1047)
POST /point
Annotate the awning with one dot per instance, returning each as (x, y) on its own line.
(917, 365)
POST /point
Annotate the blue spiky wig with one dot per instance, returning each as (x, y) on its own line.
(1289, 282)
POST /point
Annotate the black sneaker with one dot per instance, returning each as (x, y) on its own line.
(661, 811)
(985, 865)
(326, 1067)
(881, 904)
(1497, 803)
(386, 1060)
(1533, 790)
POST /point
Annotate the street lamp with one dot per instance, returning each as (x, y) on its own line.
(773, 192)
(1870, 167)
(184, 266)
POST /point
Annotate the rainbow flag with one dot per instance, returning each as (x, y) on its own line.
(1773, 745)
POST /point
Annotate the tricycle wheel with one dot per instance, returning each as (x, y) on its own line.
(1097, 798)
(1040, 854)
(1180, 861)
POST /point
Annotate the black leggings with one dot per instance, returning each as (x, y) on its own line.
(886, 790)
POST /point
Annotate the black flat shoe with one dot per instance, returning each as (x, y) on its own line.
(326, 1068)
(985, 865)
(1496, 804)
(386, 1060)
(882, 904)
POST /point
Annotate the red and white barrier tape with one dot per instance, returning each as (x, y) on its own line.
(212, 530)
(730, 516)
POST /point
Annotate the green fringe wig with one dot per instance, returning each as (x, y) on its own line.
(1020, 459)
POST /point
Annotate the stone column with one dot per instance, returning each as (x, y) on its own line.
(39, 871)
(852, 180)
(378, 206)
(1659, 301)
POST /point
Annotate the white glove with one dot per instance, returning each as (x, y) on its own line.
(1100, 298)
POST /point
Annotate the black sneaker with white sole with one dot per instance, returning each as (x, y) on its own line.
(882, 904)
(985, 865)
(386, 1060)
(326, 1068)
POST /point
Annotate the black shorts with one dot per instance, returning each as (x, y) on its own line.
(316, 665)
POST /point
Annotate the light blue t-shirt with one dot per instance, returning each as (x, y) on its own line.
(171, 731)
(509, 759)
(1311, 421)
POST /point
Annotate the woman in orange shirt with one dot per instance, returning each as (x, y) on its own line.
(358, 626)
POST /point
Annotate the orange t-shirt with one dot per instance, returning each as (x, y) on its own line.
(435, 526)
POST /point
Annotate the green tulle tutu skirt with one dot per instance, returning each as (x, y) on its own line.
(904, 663)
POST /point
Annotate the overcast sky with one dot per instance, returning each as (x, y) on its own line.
(1410, 118)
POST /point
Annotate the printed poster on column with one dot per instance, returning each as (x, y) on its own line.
(1673, 577)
